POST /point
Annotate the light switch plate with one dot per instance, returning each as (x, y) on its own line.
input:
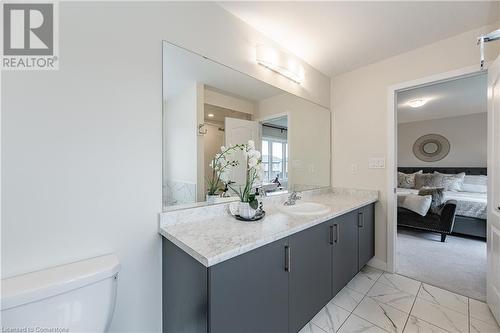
(376, 163)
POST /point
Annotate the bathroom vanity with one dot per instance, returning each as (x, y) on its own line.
(223, 275)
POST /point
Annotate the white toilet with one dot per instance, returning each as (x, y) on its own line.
(77, 297)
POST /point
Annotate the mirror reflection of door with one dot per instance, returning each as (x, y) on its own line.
(238, 131)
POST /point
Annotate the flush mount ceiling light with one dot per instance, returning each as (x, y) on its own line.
(280, 62)
(210, 115)
(416, 103)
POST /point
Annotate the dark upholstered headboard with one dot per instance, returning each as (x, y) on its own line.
(450, 170)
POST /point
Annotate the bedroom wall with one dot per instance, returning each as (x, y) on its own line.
(81, 146)
(467, 136)
(359, 106)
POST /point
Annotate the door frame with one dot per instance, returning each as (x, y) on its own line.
(261, 120)
(391, 170)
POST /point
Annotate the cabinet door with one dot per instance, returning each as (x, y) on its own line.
(366, 224)
(345, 249)
(249, 293)
(310, 273)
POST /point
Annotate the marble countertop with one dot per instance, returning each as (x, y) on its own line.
(211, 235)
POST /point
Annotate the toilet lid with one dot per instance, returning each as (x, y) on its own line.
(34, 286)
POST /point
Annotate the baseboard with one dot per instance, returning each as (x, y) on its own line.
(377, 263)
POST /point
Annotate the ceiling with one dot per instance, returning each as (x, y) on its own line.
(336, 37)
(447, 99)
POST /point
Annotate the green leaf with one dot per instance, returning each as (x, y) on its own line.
(254, 203)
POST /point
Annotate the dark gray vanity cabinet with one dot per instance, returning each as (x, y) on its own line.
(345, 249)
(277, 287)
(310, 273)
(249, 293)
(366, 225)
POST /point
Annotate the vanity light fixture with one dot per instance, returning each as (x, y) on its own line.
(280, 62)
(210, 115)
(416, 103)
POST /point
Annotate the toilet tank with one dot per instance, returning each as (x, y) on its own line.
(76, 297)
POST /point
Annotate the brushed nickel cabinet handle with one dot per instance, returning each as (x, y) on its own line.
(361, 219)
(331, 234)
(287, 258)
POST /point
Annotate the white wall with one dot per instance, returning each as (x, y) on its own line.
(308, 138)
(81, 147)
(359, 106)
(466, 134)
(180, 123)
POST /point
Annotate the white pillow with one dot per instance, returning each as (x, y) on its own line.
(478, 184)
(401, 198)
(419, 204)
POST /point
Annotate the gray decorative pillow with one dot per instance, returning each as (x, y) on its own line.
(437, 194)
(407, 180)
(428, 180)
(452, 182)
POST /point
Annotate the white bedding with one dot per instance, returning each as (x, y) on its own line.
(470, 204)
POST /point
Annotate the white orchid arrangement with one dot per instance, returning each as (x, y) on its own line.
(254, 174)
(220, 166)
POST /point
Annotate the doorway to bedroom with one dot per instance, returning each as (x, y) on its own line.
(441, 191)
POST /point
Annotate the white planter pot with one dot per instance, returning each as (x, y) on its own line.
(212, 198)
(245, 211)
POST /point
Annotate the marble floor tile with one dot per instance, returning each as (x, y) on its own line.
(364, 280)
(478, 326)
(355, 324)
(480, 310)
(444, 298)
(400, 282)
(440, 316)
(311, 328)
(376, 302)
(382, 315)
(347, 299)
(416, 325)
(391, 296)
(372, 272)
(330, 318)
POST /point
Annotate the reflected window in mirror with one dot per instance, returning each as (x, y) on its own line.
(275, 160)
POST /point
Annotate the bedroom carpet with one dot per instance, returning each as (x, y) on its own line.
(458, 265)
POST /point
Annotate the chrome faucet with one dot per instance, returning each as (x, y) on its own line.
(292, 199)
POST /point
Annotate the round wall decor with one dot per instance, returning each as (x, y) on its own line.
(431, 147)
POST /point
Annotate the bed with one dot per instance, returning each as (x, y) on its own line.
(471, 211)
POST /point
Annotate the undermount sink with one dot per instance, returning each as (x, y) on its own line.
(306, 208)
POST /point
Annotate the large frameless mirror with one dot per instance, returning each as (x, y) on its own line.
(209, 108)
